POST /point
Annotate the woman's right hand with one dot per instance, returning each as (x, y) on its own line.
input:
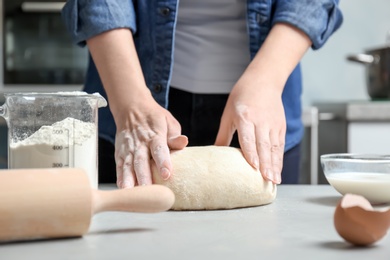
(145, 131)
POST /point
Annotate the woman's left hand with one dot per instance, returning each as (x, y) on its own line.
(255, 107)
(256, 112)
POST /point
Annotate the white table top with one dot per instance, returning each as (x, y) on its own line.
(297, 225)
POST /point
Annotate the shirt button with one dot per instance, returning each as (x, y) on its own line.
(260, 18)
(157, 88)
(165, 11)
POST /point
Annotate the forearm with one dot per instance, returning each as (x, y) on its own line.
(118, 65)
(278, 56)
(255, 106)
(144, 128)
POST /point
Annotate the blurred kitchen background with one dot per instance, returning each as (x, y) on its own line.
(339, 115)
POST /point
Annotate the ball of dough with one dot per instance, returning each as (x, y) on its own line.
(215, 177)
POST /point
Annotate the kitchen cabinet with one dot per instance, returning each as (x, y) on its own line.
(369, 137)
(369, 127)
(353, 127)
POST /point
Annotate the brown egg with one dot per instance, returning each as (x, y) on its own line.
(358, 223)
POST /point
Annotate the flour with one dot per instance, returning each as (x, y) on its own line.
(67, 143)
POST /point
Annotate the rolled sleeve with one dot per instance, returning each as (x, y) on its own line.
(87, 18)
(318, 19)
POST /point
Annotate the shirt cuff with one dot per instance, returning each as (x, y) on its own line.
(317, 19)
(85, 19)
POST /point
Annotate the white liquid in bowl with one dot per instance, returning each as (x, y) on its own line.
(375, 187)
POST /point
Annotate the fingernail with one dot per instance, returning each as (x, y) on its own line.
(255, 162)
(141, 182)
(277, 178)
(126, 185)
(269, 174)
(165, 174)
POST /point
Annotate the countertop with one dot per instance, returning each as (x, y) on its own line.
(358, 110)
(297, 225)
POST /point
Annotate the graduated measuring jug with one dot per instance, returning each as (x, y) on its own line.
(53, 130)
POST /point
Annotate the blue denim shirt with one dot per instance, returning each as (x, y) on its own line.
(153, 25)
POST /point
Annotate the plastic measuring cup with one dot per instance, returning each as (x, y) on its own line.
(53, 130)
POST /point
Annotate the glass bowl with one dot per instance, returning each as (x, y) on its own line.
(367, 175)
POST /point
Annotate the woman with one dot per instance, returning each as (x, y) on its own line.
(224, 66)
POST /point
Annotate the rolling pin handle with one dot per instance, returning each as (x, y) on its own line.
(146, 199)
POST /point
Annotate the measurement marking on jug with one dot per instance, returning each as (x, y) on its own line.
(62, 134)
(67, 143)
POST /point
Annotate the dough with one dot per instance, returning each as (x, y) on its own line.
(215, 177)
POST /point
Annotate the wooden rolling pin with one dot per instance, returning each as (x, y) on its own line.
(57, 203)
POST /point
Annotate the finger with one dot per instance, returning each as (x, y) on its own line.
(142, 166)
(119, 172)
(174, 132)
(282, 140)
(123, 160)
(263, 144)
(276, 157)
(126, 176)
(247, 139)
(225, 132)
(178, 142)
(161, 155)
